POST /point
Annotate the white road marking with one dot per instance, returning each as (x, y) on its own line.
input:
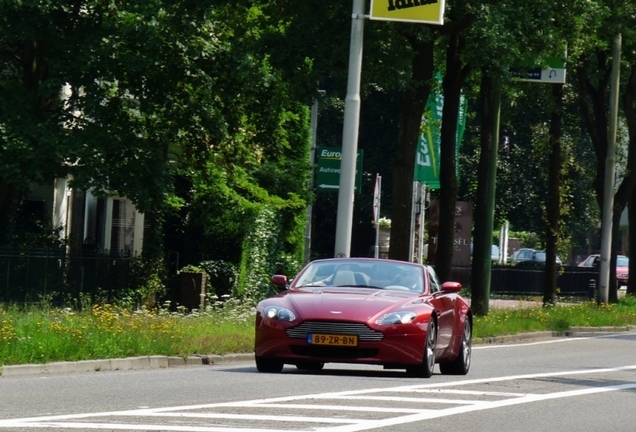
(283, 418)
(139, 427)
(407, 399)
(545, 342)
(483, 406)
(471, 392)
(397, 416)
(339, 408)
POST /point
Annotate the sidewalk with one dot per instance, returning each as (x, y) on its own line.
(501, 303)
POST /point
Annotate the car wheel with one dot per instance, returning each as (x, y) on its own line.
(425, 369)
(309, 365)
(461, 364)
(268, 365)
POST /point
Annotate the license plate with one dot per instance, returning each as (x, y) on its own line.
(332, 340)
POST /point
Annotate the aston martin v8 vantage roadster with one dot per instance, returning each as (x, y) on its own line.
(382, 312)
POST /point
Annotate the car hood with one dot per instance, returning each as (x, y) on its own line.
(355, 304)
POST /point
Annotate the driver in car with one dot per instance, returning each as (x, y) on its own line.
(410, 279)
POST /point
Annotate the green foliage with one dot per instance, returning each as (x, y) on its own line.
(259, 251)
(527, 239)
(144, 93)
(222, 277)
(191, 269)
(266, 252)
(147, 283)
(198, 112)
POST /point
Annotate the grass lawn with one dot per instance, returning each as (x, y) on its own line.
(43, 335)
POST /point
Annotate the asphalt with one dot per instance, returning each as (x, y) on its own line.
(161, 362)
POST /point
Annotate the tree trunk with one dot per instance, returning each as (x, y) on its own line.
(411, 109)
(9, 199)
(481, 264)
(592, 101)
(554, 196)
(452, 85)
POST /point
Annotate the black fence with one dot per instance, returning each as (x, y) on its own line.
(573, 281)
(30, 276)
(510, 280)
(51, 275)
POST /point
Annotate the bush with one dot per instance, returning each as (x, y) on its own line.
(222, 277)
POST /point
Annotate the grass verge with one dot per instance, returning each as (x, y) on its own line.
(561, 317)
(42, 335)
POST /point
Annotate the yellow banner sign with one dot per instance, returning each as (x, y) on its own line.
(422, 11)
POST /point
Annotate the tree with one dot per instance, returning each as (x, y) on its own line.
(506, 44)
(412, 103)
(134, 98)
(593, 68)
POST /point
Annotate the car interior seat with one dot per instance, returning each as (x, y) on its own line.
(361, 278)
(344, 277)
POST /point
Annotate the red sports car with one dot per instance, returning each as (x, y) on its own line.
(363, 310)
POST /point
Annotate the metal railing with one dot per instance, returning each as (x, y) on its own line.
(37, 275)
(573, 281)
(510, 280)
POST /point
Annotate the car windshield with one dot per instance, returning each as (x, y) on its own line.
(622, 262)
(362, 273)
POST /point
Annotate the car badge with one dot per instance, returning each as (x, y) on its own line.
(335, 312)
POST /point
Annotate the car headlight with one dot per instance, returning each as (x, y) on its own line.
(405, 317)
(279, 313)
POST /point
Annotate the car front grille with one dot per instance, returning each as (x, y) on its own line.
(364, 332)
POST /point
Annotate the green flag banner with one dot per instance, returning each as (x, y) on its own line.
(429, 142)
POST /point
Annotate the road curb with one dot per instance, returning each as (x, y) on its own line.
(129, 363)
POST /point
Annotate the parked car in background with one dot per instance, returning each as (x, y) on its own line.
(622, 267)
(533, 258)
(515, 255)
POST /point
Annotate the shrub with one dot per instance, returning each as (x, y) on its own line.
(222, 277)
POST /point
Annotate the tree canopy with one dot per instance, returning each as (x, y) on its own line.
(199, 113)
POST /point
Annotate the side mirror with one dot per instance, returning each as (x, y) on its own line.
(279, 281)
(453, 287)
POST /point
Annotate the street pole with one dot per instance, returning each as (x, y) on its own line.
(492, 186)
(377, 198)
(420, 237)
(344, 220)
(414, 193)
(610, 173)
(310, 182)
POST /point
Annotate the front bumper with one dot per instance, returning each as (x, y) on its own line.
(392, 347)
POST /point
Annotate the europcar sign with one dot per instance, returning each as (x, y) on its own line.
(328, 170)
(421, 11)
